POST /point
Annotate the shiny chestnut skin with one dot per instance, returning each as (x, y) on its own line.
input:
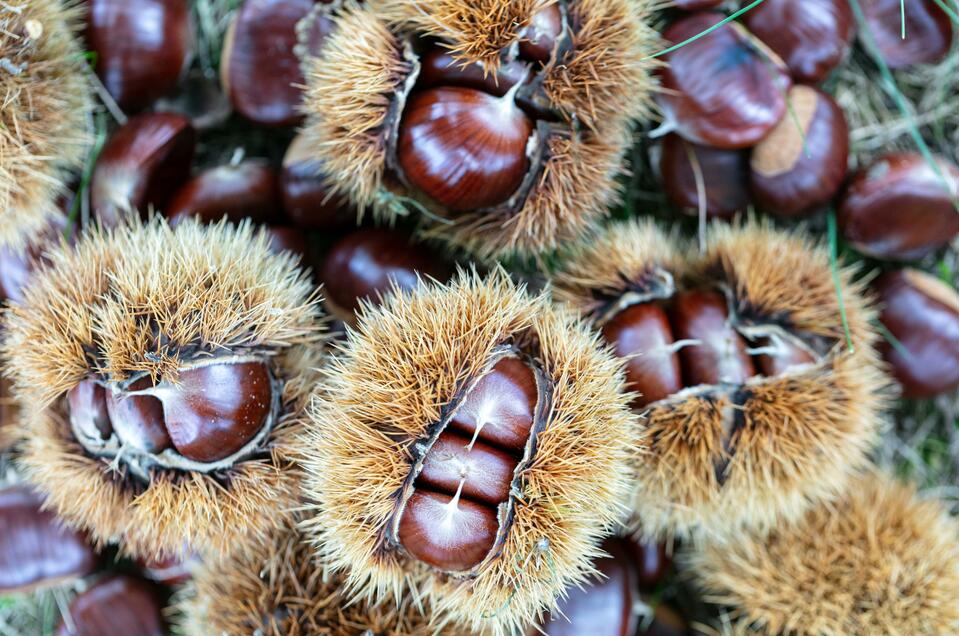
(116, 605)
(725, 175)
(643, 335)
(306, 194)
(168, 571)
(796, 170)
(721, 354)
(247, 190)
(17, 265)
(538, 38)
(929, 31)
(723, 90)
(141, 164)
(368, 262)
(36, 549)
(440, 68)
(89, 412)
(142, 47)
(138, 420)
(922, 314)
(898, 208)
(288, 239)
(450, 521)
(464, 148)
(652, 563)
(812, 37)
(259, 69)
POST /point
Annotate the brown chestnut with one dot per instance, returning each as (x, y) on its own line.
(37, 549)
(259, 68)
(901, 208)
(142, 47)
(724, 173)
(801, 165)
(718, 353)
(652, 563)
(89, 413)
(18, 264)
(288, 239)
(928, 31)
(246, 190)
(695, 5)
(538, 38)
(464, 148)
(168, 570)
(447, 532)
(439, 68)
(725, 89)
(486, 471)
(141, 164)
(116, 605)
(307, 197)
(812, 37)
(922, 313)
(368, 262)
(780, 355)
(137, 420)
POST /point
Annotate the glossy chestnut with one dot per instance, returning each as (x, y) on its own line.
(538, 38)
(116, 605)
(288, 239)
(485, 470)
(36, 549)
(307, 197)
(89, 413)
(447, 532)
(368, 262)
(246, 190)
(141, 164)
(724, 174)
(922, 314)
(725, 89)
(901, 208)
(463, 148)
(142, 47)
(642, 334)
(929, 31)
(138, 420)
(802, 164)
(439, 68)
(169, 570)
(811, 37)
(717, 352)
(259, 68)
(652, 563)
(18, 264)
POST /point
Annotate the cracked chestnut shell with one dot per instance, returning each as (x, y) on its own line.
(141, 165)
(725, 89)
(801, 166)
(247, 190)
(116, 605)
(142, 47)
(922, 313)
(36, 549)
(725, 175)
(929, 31)
(899, 208)
(812, 37)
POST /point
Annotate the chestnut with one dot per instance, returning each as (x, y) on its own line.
(929, 31)
(539, 38)
(17, 264)
(142, 47)
(922, 314)
(440, 68)
(724, 174)
(368, 262)
(169, 570)
(38, 550)
(901, 208)
(716, 353)
(464, 148)
(288, 239)
(308, 199)
(652, 562)
(259, 68)
(116, 605)
(695, 5)
(141, 164)
(200, 98)
(811, 37)
(725, 89)
(136, 420)
(800, 166)
(246, 190)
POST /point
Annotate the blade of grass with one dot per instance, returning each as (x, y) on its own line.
(836, 278)
(87, 175)
(902, 17)
(949, 11)
(722, 23)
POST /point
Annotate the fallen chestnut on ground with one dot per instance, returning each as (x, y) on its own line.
(116, 605)
(811, 37)
(485, 428)
(684, 167)
(801, 165)
(246, 190)
(738, 357)
(929, 31)
(921, 314)
(174, 435)
(901, 208)
(504, 124)
(38, 550)
(141, 165)
(725, 89)
(142, 47)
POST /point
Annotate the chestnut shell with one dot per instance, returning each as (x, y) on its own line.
(725, 175)
(116, 605)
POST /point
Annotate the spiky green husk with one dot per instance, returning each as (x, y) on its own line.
(880, 560)
(45, 114)
(401, 365)
(803, 433)
(146, 297)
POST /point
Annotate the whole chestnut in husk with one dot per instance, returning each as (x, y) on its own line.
(736, 355)
(929, 31)
(901, 208)
(724, 174)
(922, 315)
(803, 163)
(159, 373)
(116, 605)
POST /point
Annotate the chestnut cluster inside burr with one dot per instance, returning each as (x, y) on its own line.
(457, 502)
(213, 414)
(470, 138)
